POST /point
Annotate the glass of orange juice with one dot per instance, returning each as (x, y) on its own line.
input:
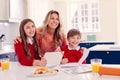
(0, 62)
(5, 63)
(95, 64)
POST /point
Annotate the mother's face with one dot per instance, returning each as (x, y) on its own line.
(54, 21)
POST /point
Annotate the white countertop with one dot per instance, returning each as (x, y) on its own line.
(7, 49)
(107, 47)
(19, 72)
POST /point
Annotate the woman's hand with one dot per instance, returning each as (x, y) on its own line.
(58, 49)
(64, 61)
(18, 39)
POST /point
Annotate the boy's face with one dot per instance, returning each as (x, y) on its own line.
(74, 40)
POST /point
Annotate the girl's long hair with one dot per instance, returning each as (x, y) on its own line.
(24, 40)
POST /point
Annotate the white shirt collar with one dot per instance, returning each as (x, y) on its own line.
(30, 40)
(77, 48)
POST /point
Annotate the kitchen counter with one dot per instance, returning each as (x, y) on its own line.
(89, 44)
(8, 51)
(19, 72)
(97, 42)
(105, 48)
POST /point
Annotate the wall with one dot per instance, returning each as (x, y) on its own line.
(10, 30)
(108, 19)
(61, 7)
(118, 21)
(37, 10)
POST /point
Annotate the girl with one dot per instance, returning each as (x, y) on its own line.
(27, 50)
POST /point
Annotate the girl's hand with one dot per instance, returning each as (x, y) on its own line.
(36, 62)
(64, 61)
(41, 63)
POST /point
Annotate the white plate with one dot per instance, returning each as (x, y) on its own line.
(42, 75)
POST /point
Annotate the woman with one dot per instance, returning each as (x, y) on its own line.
(27, 50)
(50, 36)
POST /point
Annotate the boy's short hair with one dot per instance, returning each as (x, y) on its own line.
(73, 32)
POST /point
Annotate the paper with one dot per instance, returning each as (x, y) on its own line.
(69, 65)
(85, 54)
(53, 58)
(78, 69)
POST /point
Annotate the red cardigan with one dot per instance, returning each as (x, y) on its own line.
(72, 55)
(22, 58)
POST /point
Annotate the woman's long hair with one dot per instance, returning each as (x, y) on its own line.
(58, 32)
(24, 40)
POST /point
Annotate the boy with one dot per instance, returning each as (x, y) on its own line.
(72, 51)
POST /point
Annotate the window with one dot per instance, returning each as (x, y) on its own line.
(84, 15)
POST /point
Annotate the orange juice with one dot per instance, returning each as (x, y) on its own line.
(95, 67)
(5, 65)
(95, 64)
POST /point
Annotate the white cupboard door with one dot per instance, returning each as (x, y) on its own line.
(18, 10)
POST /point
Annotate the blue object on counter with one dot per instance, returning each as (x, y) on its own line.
(91, 37)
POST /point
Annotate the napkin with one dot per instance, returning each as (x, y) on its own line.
(109, 71)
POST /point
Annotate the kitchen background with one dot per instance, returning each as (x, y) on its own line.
(13, 11)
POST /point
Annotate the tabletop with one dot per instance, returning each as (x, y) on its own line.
(19, 72)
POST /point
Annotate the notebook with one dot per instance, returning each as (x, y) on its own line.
(53, 58)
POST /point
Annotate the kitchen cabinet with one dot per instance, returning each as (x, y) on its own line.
(10, 55)
(13, 10)
(7, 51)
(108, 57)
(93, 43)
(110, 54)
(4, 12)
(17, 10)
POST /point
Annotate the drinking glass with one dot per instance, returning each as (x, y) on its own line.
(95, 64)
(5, 63)
(0, 62)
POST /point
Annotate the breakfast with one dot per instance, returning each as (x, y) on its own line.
(44, 70)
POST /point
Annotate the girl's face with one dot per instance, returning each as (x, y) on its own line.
(53, 22)
(74, 41)
(29, 29)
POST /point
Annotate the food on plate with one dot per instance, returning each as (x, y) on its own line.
(44, 70)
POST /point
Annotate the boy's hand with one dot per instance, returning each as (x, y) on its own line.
(64, 61)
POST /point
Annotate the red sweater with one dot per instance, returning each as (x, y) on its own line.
(72, 55)
(47, 44)
(22, 58)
